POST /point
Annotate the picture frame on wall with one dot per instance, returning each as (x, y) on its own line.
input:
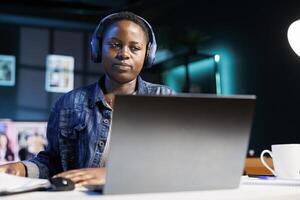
(7, 70)
(59, 73)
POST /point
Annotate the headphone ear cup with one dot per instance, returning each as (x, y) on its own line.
(147, 61)
(150, 55)
(99, 49)
(95, 49)
(96, 42)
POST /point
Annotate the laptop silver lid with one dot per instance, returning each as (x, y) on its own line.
(177, 143)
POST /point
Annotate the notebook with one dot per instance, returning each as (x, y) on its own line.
(11, 184)
(177, 143)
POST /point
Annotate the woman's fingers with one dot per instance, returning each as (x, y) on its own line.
(74, 175)
(81, 177)
(86, 176)
(91, 181)
(66, 173)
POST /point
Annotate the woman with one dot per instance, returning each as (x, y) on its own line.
(79, 123)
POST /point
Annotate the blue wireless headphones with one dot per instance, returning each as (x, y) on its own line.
(97, 41)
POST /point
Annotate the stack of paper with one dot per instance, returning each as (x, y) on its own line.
(10, 184)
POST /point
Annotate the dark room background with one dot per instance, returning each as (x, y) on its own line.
(250, 38)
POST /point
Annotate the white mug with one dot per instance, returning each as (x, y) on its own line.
(286, 160)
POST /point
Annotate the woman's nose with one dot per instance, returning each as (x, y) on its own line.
(123, 53)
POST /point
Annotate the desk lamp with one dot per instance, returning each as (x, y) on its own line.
(294, 36)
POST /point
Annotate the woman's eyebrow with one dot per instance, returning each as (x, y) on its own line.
(114, 38)
(131, 42)
(135, 42)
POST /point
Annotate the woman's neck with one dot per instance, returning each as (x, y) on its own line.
(113, 87)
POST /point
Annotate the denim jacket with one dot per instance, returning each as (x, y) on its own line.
(78, 128)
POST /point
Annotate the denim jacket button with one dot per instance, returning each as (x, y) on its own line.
(106, 121)
(101, 145)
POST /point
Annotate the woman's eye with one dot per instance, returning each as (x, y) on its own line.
(135, 48)
(115, 45)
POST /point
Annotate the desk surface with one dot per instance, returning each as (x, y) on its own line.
(253, 166)
(247, 192)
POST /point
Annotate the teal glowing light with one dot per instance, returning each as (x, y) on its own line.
(201, 76)
(226, 72)
(225, 79)
(218, 83)
(162, 55)
(217, 58)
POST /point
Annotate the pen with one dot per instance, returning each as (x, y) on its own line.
(262, 177)
(266, 177)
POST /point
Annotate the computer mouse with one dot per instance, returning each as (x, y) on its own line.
(61, 184)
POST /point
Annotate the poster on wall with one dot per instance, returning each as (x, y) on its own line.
(7, 70)
(59, 73)
(21, 140)
(8, 142)
(31, 138)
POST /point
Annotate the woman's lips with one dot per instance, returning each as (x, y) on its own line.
(122, 66)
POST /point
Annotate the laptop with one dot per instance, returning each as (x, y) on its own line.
(177, 143)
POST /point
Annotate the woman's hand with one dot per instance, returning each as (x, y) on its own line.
(85, 176)
(16, 168)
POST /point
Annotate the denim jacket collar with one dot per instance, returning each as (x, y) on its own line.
(97, 95)
(141, 86)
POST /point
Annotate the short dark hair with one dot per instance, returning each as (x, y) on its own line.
(125, 15)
